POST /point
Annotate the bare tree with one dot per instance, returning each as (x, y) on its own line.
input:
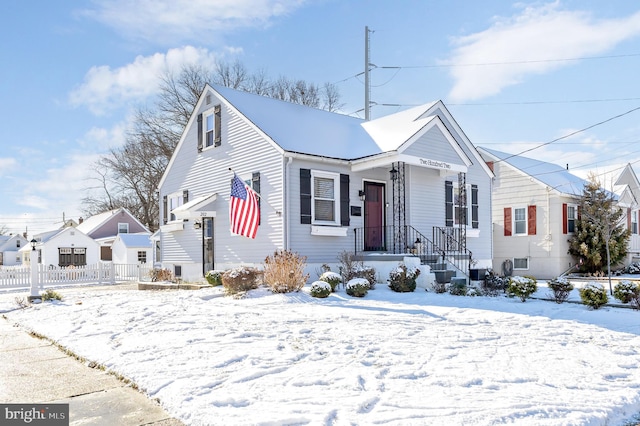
(128, 176)
(3, 229)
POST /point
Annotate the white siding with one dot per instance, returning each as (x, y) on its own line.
(70, 237)
(547, 250)
(434, 145)
(245, 151)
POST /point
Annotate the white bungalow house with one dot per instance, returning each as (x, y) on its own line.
(409, 184)
(10, 246)
(131, 249)
(104, 228)
(64, 247)
(535, 206)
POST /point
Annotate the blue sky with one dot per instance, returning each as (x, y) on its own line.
(515, 75)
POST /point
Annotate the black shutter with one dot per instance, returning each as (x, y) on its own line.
(217, 111)
(255, 183)
(199, 132)
(185, 196)
(344, 200)
(305, 196)
(164, 209)
(448, 203)
(474, 207)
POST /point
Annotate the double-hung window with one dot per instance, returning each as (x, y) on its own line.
(325, 205)
(571, 218)
(212, 135)
(634, 221)
(520, 221)
(123, 228)
(460, 204)
(175, 201)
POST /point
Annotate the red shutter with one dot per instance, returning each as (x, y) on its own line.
(629, 219)
(564, 218)
(507, 221)
(531, 220)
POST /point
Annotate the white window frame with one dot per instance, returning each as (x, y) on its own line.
(526, 259)
(120, 226)
(634, 221)
(467, 205)
(515, 221)
(574, 218)
(336, 197)
(210, 114)
(174, 201)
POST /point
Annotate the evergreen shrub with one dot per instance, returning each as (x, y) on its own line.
(561, 288)
(50, 294)
(458, 288)
(625, 290)
(332, 278)
(403, 279)
(594, 295)
(357, 287)
(522, 287)
(321, 289)
(214, 277)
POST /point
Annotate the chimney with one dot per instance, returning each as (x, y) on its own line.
(80, 220)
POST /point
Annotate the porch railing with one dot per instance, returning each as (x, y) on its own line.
(397, 240)
(445, 246)
(453, 243)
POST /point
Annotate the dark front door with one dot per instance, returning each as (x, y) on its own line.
(374, 216)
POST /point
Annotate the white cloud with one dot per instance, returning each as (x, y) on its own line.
(7, 165)
(176, 21)
(105, 88)
(541, 33)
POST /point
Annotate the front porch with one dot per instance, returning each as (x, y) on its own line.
(445, 252)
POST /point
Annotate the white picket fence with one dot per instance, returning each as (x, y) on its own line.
(15, 277)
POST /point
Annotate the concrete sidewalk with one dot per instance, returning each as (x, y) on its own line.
(33, 371)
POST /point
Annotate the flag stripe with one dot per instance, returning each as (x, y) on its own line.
(244, 211)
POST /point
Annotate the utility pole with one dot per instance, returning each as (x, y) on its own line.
(367, 84)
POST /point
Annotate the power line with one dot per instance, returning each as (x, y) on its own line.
(535, 61)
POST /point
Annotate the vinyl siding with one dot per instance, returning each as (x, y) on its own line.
(245, 151)
(433, 145)
(547, 250)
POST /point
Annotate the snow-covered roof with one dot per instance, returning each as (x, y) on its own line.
(552, 175)
(391, 131)
(298, 128)
(92, 223)
(136, 240)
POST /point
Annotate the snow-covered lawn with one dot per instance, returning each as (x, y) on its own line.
(404, 359)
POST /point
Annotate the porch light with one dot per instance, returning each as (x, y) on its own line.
(393, 173)
(361, 194)
(33, 244)
(197, 225)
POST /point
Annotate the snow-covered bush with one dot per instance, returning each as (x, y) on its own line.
(403, 279)
(284, 271)
(594, 295)
(50, 294)
(240, 279)
(357, 287)
(158, 274)
(493, 284)
(625, 290)
(561, 288)
(351, 268)
(214, 277)
(458, 288)
(332, 278)
(439, 287)
(320, 289)
(522, 287)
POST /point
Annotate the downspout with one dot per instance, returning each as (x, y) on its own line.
(548, 234)
(286, 203)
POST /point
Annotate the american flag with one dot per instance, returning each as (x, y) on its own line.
(244, 211)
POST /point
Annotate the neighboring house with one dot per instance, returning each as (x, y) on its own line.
(410, 182)
(535, 208)
(64, 247)
(627, 187)
(10, 246)
(104, 228)
(132, 249)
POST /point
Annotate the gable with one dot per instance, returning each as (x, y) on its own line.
(435, 143)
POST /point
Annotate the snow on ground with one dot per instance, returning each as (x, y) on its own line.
(403, 359)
